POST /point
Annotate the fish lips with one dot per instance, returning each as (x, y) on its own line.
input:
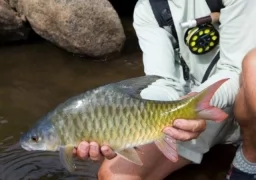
(26, 147)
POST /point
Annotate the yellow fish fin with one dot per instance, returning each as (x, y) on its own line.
(130, 155)
(66, 157)
(167, 145)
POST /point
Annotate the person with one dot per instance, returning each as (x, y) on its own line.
(196, 137)
(244, 164)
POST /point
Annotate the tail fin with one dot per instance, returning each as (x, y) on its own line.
(201, 100)
(205, 111)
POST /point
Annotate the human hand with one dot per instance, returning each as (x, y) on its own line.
(185, 130)
(93, 151)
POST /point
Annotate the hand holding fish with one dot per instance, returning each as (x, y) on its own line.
(184, 130)
(93, 151)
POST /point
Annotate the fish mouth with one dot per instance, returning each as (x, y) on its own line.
(27, 148)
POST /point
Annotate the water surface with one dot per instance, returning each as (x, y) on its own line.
(34, 78)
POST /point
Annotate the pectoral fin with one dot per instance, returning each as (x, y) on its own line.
(66, 157)
(167, 145)
(131, 155)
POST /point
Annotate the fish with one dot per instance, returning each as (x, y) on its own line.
(116, 115)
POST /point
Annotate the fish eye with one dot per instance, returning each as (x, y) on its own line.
(34, 138)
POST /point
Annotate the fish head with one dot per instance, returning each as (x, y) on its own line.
(42, 136)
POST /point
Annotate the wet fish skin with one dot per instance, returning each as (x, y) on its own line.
(115, 115)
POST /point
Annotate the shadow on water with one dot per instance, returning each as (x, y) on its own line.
(34, 78)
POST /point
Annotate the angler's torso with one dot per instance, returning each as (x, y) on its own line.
(183, 10)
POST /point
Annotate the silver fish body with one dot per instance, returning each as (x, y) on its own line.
(117, 116)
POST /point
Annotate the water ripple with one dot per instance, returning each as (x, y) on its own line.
(18, 164)
(3, 121)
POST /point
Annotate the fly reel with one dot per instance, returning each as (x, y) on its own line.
(202, 38)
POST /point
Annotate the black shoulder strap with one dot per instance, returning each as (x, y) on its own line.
(163, 14)
(210, 67)
(215, 5)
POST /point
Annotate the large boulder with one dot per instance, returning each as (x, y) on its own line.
(12, 25)
(86, 27)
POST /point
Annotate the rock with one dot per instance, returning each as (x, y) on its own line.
(85, 27)
(12, 25)
(13, 3)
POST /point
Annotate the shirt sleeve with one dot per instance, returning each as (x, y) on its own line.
(158, 52)
(237, 38)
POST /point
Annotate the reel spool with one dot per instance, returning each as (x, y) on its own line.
(202, 38)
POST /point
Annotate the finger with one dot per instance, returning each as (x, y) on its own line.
(82, 150)
(108, 152)
(190, 125)
(94, 151)
(180, 135)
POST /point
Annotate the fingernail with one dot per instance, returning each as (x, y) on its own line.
(170, 132)
(83, 147)
(107, 150)
(92, 147)
(178, 123)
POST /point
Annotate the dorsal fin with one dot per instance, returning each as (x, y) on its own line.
(134, 86)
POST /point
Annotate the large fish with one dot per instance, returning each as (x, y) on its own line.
(117, 116)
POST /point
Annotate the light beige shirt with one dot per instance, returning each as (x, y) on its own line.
(237, 37)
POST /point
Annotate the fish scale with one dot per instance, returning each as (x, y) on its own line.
(139, 125)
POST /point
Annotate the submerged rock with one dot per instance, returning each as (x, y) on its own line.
(12, 25)
(86, 27)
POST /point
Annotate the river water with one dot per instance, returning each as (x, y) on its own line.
(35, 77)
